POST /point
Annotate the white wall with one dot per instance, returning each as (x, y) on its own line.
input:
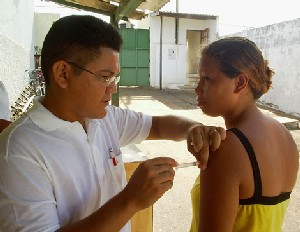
(46, 13)
(43, 23)
(280, 44)
(16, 45)
(173, 69)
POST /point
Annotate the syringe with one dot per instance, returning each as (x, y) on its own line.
(185, 165)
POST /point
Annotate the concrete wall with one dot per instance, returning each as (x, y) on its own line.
(46, 13)
(16, 45)
(174, 67)
(43, 23)
(280, 44)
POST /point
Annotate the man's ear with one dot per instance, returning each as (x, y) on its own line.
(241, 82)
(61, 75)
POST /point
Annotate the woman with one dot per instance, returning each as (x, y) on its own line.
(248, 182)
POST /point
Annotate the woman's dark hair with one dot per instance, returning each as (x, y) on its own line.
(78, 38)
(236, 55)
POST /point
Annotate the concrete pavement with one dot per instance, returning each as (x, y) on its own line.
(172, 213)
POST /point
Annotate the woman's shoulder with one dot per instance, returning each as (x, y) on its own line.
(231, 146)
(230, 158)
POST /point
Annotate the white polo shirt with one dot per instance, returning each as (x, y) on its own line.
(4, 103)
(53, 173)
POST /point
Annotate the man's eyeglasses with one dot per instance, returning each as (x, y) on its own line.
(108, 81)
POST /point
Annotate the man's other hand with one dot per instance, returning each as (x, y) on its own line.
(201, 139)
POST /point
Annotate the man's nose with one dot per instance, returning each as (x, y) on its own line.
(112, 88)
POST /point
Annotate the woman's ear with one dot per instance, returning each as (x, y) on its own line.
(61, 73)
(241, 82)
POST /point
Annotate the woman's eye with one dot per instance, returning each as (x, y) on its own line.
(205, 78)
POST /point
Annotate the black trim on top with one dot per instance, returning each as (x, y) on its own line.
(266, 200)
(257, 197)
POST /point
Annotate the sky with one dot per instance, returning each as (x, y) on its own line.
(45, 6)
(234, 15)
(239, 15)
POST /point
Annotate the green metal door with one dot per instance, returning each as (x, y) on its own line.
(134, 57)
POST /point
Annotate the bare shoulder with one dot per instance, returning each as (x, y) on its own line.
(276, 153)
(287, 151)
(281, 136)
(229, 159)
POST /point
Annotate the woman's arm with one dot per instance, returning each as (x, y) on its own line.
(219, 187)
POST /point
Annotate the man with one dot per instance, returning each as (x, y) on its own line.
(60, 164)
(4, 108)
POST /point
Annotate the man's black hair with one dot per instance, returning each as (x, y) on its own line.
(77, 38)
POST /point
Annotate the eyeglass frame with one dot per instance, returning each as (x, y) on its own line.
(108, 81)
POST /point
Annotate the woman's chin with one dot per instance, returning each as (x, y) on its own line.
(208, 112)
(202, 107)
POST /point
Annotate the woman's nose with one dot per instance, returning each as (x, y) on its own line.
(198, 88)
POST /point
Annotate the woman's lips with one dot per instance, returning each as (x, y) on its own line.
(200, 102)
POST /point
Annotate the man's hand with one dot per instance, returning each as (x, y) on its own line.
(150, 181)
(201, 139)
(3, 124)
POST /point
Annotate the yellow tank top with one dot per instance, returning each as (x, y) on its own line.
(250, 218)
(255, 214)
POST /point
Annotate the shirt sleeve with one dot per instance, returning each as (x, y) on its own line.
(27, 201)
(133, 127)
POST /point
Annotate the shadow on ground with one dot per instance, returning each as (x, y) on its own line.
(180, 100)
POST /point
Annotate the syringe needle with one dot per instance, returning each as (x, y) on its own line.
(185, 165)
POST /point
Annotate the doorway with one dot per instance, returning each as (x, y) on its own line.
(196, 40)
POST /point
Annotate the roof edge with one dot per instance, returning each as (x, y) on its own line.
(184, 15)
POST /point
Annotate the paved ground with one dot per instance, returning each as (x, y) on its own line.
(172, 213)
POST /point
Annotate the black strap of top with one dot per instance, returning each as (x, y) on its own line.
(254, 164)
(257, 197)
